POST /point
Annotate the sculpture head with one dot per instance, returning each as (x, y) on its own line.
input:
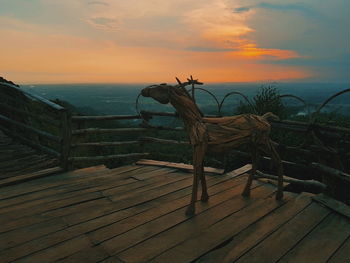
(158, 92)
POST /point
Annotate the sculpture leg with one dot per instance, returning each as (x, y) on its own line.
(205, 196)
(196, 173)
(278, 164)
(254, 153)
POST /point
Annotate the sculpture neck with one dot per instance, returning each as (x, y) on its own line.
(186, 107)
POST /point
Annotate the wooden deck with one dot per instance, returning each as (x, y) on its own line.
(136, 213)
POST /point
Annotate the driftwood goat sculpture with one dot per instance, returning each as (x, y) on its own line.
(217, 135)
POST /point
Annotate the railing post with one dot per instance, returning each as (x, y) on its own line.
(66, 139)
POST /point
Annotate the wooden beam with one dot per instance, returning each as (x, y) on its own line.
(333, 204)
(27, 113)
(104, 118)
(29, 128)
(157, 113)
(66, 139)
(307, 183)
(103, 144)
(31, 143)
(181, 166)
(108, 157)
(331, 171)
(36, 97)
(118, 130)
(30, 176)
(162, 141)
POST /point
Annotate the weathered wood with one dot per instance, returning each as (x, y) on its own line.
(331, 171)
(153, 213)
(66, 129)
(220, 217)
(104, 144)
(105, 117)
(36, 97)
(29, 128)
(342, 254)
(51, 254)
(256, 232)
(308, 183)
(333, 204)
(30, 176)
(157, 113)
(31, 144)
(181, 166)
(279, 242)
(162, 141)
(328, 235)
(27, 113)
(163, 232)
(118, 130)
(107, 157)
(51, 217)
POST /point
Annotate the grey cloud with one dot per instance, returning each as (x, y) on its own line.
(242, 9)
(298, 7)
(104, 23)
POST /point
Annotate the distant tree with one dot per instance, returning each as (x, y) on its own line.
(266, 100)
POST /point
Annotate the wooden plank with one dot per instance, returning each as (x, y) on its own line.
(108, 157)
(64, 195)
(50, 254)
(113, 259)
(281, 241)
(104, 144)
(322, 242)
(76, 230)
(13, 238)
(162, 141)
(58, 180)
(117, 130)
(164, 235)
(333, 204)
(87, 255)
(155, 212)
(101, 207)
(239, 171)
(9, 216)
(258, 231)
(101, 182)
(342, 254)
(161, 178)
(30, 176)
(169, 238)
(105, 117)
(213, 183)
(181, 166)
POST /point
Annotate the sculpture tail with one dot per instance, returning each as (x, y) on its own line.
(269, 116)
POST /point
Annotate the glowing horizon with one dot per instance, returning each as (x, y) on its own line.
(113, 41)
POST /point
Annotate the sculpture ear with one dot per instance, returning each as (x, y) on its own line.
(178, 81)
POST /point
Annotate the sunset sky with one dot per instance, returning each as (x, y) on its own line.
(134, 41)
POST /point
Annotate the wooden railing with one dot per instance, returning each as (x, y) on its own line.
(35, 121)
(48, 127)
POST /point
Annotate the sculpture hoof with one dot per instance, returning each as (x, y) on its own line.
(205, 198)
(190, 210)
(279, 195)
(246, 193)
